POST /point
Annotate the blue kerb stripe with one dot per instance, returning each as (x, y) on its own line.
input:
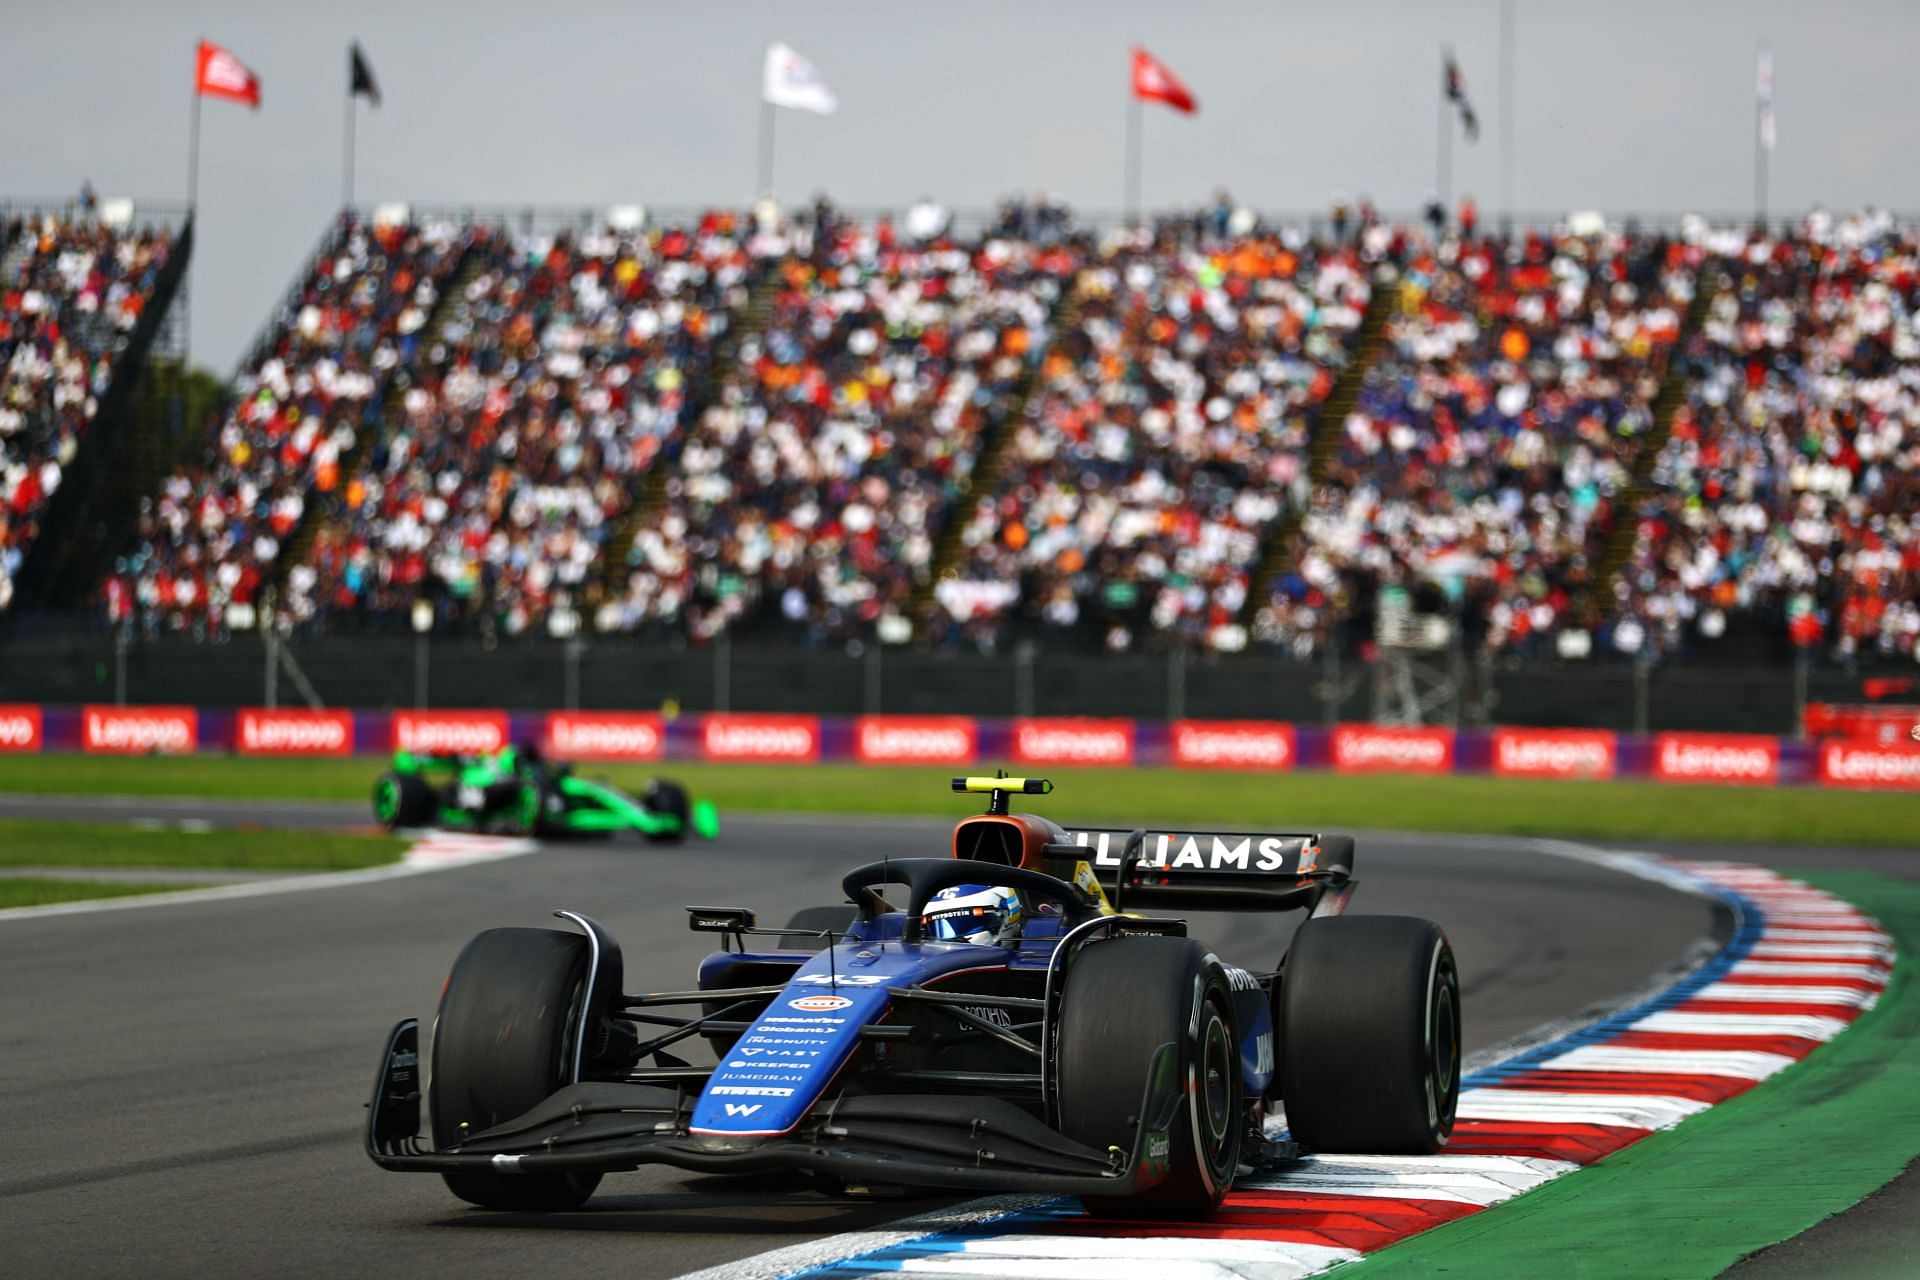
(1749, 923)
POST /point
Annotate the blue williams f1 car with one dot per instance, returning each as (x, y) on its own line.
(1003, 1018)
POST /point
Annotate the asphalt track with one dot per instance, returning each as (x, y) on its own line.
(182, 1086)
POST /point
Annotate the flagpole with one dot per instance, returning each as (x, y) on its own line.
(1506, 113)
(346, 185)
(193, 145)
(766, 149)
(1133, 159)
(1760, 145)
(1443, 164)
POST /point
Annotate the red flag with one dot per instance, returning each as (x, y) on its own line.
(1154, 82)
(221, 75)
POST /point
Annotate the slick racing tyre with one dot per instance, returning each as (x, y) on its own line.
(1124, 999)
(666, 797)
(402, 800)
(533, 981)
(1370, 1036)
(533, 808)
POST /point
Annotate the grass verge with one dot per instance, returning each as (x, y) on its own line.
(1618, 810)
(32, 891)
(34, 843)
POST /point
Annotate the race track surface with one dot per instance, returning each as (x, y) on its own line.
(183, 1085)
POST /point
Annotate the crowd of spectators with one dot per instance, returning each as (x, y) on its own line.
(72, 291)
(809, 497)
(1165, 432)
(1492, 437)
(209, 540)
(1787, 499)
(560, 371)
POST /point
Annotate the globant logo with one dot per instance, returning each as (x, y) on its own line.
(609, 736)
(729, 737)
(1709, 757)
(1073, 741)
(916, 739)
(1853, 765)
(450, 733)
(1522, 753)
(1232, 744)
(138, 731)
(295, 733)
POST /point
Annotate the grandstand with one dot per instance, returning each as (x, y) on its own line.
(1210, 432)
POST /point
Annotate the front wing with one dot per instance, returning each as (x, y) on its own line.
(943, 1140)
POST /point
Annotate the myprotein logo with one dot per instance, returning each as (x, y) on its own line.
(1716, 757)
(139, 730)
(1387, 749)
(21, 728)
(606, 735)
(1073, 741)
(1232, 744)
(1854, 764)
(1554, 753)
(449, 732)
(261, 732)
(915, 739)
(740, 737)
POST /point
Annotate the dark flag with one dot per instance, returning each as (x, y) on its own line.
(1456, 89)
(363, 82)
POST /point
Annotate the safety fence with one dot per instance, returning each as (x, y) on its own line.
(1254, 745)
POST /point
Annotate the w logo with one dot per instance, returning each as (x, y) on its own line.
(743, 1108)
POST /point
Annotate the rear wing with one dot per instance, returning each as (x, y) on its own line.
(1214, 870)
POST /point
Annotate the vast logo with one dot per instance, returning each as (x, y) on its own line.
(295, 733)
(1073, 741)
(138, 730)
(449, 732)
(732, 737)
(820, 1004)
(606, 735)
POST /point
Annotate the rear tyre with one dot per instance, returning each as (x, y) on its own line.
(1125, 998)
(666, 797)
(402, 800)
(1370, 1036)
(502, 1042)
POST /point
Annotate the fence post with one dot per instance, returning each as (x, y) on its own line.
(420, 664)
(1800, 665)
(1642, 678)
(1177, 682)
(1023, 678)
(1330, 686)
(121, 643)
(570, 672)
(722, 672)
(873, 679)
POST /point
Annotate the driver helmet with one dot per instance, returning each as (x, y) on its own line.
(989, 915)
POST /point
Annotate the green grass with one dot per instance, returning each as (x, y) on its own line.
(35, 843)
(31, 891)
(1620, 810)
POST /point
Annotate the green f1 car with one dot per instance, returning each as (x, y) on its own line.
(514, 790)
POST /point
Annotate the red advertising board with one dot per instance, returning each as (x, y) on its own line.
(1555, 753)
(729, 736)
(1073, 741)
(1376, 748)
(20, 727)
(449, 732)
(139, 730)
(1894, 765)
(258, 731)
(1233, 744)
(916, 739)
(606, 735)
(1747, 759)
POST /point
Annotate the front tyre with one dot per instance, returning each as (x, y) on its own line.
(1370, 1036)
(668, 799)
(502, 1042)
(1125, 998)
(402, 800)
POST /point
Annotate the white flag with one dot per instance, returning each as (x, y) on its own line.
(791, 81)
(1763, 87)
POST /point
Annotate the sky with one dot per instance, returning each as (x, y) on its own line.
(1630, 105)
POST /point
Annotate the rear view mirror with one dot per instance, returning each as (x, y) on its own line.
(719, 919)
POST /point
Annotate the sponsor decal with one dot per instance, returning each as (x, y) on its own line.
(820, 1004)
(991, 1013)
(1862, 764)
(1368, 748)
(139, 730)
(1716, 757)
(1233, 744)
(449, 732)
(21, 728)
(916, 739)
(845, 979)
(1554, 753)
(1073, 741)
(784, 1039)
(748, 737)
(294, 732)
(775, 1053)
(815, 1021)
(770, 1066)
(743, 1108)
(1199, 851)
(606, 735)
(750, 1091)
